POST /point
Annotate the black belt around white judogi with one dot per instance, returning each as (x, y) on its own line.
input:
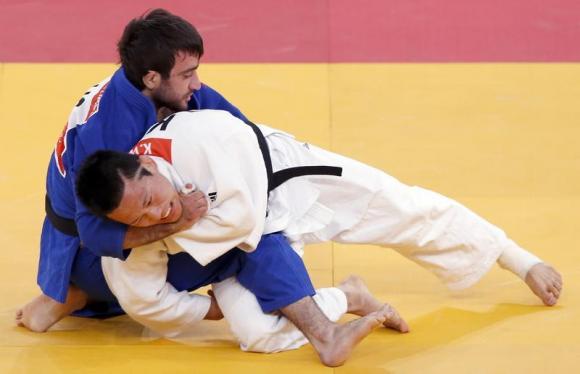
(275, 179)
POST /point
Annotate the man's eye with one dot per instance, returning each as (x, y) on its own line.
(188, 75)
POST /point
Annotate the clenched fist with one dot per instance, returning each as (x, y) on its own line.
(194, 206)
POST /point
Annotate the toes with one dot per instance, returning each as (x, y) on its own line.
(404, 327)
(554, 290)
(394, 320)
(400, 325)
(18, 318)
(550, 299)
(378, 316)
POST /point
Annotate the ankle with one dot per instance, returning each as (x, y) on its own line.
(76, 298)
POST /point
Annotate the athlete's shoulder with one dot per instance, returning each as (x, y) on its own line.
(209, 119)
(194, 123)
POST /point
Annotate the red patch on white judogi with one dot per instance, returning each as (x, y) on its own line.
(154, 147)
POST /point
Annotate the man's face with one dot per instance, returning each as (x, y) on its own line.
(175, 91)
(147, 199)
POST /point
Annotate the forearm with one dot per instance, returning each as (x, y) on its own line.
(214, 312)
(138, 236)
(194, 205)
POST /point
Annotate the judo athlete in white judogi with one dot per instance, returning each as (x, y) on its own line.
(239, 167)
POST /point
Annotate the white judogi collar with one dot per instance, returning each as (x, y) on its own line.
(169, 172)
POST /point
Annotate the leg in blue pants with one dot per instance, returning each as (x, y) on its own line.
(273, 272)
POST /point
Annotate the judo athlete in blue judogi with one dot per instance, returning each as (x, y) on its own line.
(111, 115)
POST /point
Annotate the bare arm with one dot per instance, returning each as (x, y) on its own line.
(194, 207)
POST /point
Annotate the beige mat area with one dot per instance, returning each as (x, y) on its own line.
(500, 138)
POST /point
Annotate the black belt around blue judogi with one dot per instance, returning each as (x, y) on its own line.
(64, 225)
(276, 178)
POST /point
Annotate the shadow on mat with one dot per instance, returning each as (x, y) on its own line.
(437, 329)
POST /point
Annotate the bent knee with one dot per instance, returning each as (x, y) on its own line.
(272, 342)
(272, 337)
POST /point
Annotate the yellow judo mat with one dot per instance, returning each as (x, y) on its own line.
(501, 138)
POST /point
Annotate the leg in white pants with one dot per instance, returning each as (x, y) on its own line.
(269, 333)
(371, 207)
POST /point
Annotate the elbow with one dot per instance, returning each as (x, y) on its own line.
(248, 222)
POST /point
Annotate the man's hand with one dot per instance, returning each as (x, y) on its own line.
(214, 313)
(194, 206)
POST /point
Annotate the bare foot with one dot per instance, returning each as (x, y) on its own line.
(43, 312)
(340, 341)
(361, 302)
(545, 282)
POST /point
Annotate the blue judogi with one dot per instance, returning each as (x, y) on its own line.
(117, 117)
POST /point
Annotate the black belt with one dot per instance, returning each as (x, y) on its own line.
(275, 179)
(64, 225)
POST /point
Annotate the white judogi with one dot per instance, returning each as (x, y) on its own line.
(219, 154)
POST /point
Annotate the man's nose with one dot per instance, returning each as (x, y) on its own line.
(155, 213)
(195, 82)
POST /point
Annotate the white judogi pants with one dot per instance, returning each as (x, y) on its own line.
(367, 206)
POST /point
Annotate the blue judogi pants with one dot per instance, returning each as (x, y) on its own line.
(273, 272)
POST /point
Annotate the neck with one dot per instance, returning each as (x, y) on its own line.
(162, 111)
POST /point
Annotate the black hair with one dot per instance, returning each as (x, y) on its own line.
(151, 42)
(99, 184)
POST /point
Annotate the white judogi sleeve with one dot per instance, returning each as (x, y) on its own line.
(140, 285)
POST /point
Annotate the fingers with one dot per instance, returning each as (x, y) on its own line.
(201, 204)
(197, 195)
(194, 206)
(194, 201)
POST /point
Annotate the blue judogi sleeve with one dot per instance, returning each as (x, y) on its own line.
(105, 237)
(123, 117)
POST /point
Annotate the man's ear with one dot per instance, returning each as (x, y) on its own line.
(152, 80)
(148, 163)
